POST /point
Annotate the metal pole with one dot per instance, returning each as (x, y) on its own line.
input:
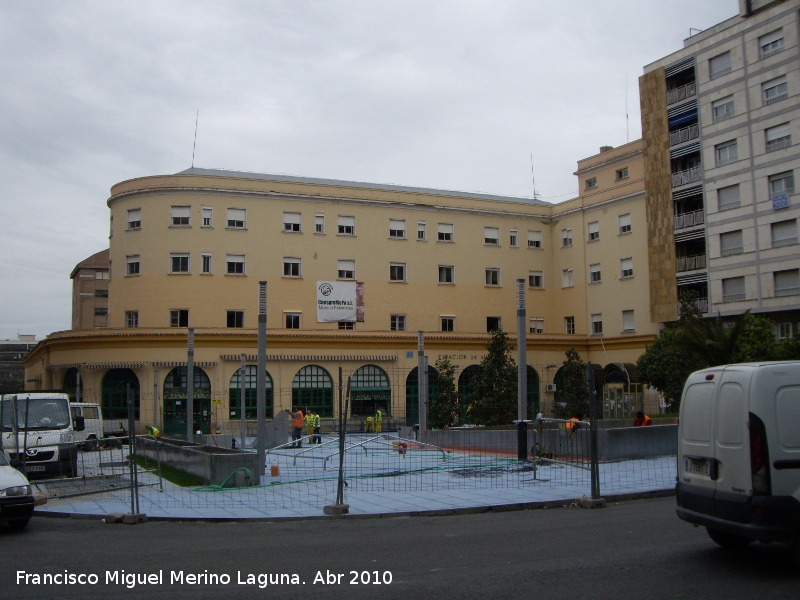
(422, 383)
(243, 424)
(340, 480)
(522, 374)
(155, 399)
(593, 450)
(261, 376)
(131, 466)
(190, 389)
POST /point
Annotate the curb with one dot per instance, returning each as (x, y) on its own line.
(440, 512)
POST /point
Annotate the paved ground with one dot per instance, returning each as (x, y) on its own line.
(628, 551)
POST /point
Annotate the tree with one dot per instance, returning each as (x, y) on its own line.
(574, 390)
(496, 403)
(443, 410)
(666, 365)
(711, 341)
(757, 340)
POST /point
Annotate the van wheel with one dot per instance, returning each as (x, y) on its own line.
(18, 524)
(728, 540)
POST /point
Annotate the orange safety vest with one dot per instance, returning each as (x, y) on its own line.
(647, 421)
(572, 423)
(298, 420)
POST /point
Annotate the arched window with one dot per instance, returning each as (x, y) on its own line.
(250, 394)
(312, 387)
(175, 401)
(370, 390)
(114, 395)
(412, 393)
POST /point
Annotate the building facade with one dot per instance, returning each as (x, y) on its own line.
(90, 292)
(189, 250)
(721, 123)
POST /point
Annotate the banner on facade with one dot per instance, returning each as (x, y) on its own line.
(336, 301)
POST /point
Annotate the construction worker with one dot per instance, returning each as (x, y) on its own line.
(317, 437)
(378, 421)
(297, 427)
(369, 425)
(153, 430)
(574, 424)
(310, 426)
(642, 420)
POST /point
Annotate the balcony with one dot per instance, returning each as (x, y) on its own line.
(733, 297)
(789, 291)
(681, 93)
(684, 135)
(686, 177)
(700, 303)
(779, 144)
(691, 263)
(690, 219)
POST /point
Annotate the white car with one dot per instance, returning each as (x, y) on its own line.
(16, 498)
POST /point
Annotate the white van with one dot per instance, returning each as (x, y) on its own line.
(92, 424)
(16, 499)
(739, 453)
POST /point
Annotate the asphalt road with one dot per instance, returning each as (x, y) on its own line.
(637, 549)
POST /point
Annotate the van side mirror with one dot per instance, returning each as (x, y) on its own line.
(78, 423)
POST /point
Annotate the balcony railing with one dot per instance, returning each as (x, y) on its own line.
(688, 176)
(789, 291)
(681, 93)
(700, 303)
(733, 297)
(684, 135)
(690, 219)
(691, 263)
(779, 144)
(776, 98)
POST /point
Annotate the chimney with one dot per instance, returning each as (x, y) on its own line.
(605, 148)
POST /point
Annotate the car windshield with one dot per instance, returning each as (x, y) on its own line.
(35, 414)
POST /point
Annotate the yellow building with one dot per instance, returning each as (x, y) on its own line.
(189, 250)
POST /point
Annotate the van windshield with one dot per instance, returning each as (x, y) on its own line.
(35, 414)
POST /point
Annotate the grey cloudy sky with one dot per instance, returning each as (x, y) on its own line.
(451, 94)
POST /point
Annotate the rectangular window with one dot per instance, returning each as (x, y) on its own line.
(728, 197)
(132, 319)
(101, 293)
(782, 183)
(319, 224)
(348, 325)
(722, 109)
(726, 153)
(536, 279)
(207, 216)
(567, 279)
(569, 325)
(733, 289)
(775, 90)
(594, 273)
(132, 265)
(622, 173)
(346, 269)
(179, 318)
(235, 264)
(135, 218)
(787, 283)
(448, 323)
(446, 274)
(491, 236)
(492, 324)
(594, 231)
(720, 65)
(347, 225)
(493, 277)
(444, 232)
(237, 218)
(206, 266)
(512, 238)
(784, 331)
(625, 223)
(626, 268)
(591, 183)
(597, 324)
(397, 322)
(770, 44)
(534, 239)
(100, 312)
(180, 216)
(422, 234)
(292, 320)
(291, 266)
(566, 238)
(397, 271)
(102, 275)
(536, 325)
(291, 222)
(784, 233)
(178, 263)
(778, 137)
(397, 229)
(235, 318)
(731, 243)
(627, 321)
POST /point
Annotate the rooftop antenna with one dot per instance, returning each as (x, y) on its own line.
(194, 146)
(533, 180)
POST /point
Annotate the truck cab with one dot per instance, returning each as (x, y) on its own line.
(92, 419)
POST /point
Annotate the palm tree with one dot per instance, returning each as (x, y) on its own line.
(711, 341)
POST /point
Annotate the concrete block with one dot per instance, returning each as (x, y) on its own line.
(336, 509)
(134, 519)
(586, 502)
(114, 518)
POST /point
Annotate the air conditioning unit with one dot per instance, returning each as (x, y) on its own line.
(550, 387)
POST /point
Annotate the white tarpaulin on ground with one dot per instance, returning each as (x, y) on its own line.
(336, 301)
